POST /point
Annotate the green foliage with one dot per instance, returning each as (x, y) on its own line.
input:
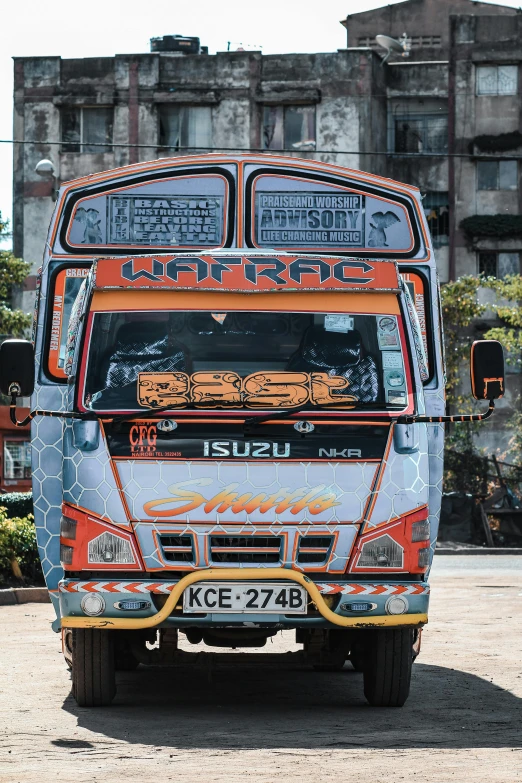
(13, 271)
(460, 307)
(509, 313)
(499, 226)
(18, 551)
(17, 504)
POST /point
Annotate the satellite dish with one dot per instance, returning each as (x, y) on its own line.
(392, 45)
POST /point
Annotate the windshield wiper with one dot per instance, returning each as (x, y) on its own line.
(252, 421)
(117, 420)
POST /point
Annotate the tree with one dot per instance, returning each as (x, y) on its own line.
(13, 271)
(460, 308)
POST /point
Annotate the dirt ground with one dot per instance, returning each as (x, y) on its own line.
(462, 722)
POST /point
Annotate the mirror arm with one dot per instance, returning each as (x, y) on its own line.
(30, 417)
(452, 419)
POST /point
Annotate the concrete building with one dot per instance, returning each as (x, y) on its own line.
(424, 21)
(446, 118)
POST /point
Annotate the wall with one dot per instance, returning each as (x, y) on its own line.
(426, 19)
(349, 120)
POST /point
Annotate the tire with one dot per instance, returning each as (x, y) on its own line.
(93, 672)
(387, 669)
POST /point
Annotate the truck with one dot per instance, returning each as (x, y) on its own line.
(237, 416)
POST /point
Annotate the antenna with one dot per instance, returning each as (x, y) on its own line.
(401, 46)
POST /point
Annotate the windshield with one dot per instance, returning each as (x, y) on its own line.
(245, 361)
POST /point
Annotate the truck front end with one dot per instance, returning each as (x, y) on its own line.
(238, 468)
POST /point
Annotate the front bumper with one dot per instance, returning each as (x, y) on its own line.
(71, 592)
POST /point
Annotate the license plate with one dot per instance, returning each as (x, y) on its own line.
(245, 597)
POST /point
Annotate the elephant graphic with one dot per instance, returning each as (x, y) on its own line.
(90, 219)
(381, 220)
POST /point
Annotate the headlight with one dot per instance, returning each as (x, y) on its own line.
(92, 604)
(109, 548)
(397, 604)
(382, 552)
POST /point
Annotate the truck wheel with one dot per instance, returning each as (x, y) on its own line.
(93, 675)
(387, 669)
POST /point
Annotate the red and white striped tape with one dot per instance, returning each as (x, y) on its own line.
(166, 587)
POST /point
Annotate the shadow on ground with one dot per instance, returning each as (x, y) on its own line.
(260, 708)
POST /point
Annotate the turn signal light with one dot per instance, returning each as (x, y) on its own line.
(420, 531)
(424, 557)
(68, 528)
(66, 554)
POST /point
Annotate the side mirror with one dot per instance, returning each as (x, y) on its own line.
(487, 370)
(17, 368)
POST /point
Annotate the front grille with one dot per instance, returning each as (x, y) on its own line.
(177, 549)
(245, 549)
(314, 549)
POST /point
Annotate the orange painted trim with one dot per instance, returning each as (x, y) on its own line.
(296, 301)
(179, 530)
(240, 196)
(241, 417)
(242, 160)
(324, 567)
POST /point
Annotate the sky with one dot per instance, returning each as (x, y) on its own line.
(103, 28)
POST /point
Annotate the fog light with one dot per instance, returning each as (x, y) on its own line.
(420, 531)
(358, 607)
(66, 554)
(109, 548)
(132, 606)
(382, 552)
(397, 604)
(92, 604)
(424, 557)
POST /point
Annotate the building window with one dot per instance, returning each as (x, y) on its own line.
(87, 129)
(185, 126)
(421, 133)
(416, 41)
(492, 264)
(497, 175)
(497, 79)
(289, 127)
(436, 209)
(17, 459)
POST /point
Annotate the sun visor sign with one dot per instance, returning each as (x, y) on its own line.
(244, 273)
(323, 219)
